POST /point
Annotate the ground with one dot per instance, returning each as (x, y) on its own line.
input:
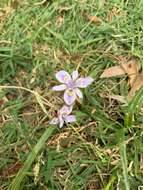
(103, 149)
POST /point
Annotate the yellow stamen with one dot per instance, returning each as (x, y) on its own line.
(65, 78)
(70, 93)
(64, 113)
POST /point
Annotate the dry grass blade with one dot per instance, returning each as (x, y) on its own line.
(5, 13)
(64, 9)
(114, 12)
(39, 100)
(141, 161)
(119, 98)
(5, 42)
(40, 3)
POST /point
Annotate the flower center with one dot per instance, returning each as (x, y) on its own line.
(64, 114)
(65, 78)
(70, 93)
(71, 85)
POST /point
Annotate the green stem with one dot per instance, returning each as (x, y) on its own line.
(23, 171)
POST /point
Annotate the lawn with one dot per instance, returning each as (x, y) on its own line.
(103, 149)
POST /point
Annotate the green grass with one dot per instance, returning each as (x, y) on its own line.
(104, 148)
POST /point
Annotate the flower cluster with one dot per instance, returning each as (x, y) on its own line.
(70, 85)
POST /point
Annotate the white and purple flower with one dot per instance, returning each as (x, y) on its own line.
(63, 116)
(71, 85)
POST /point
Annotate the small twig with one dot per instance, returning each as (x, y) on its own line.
(5, 42)
(17, 87)
(37, 96)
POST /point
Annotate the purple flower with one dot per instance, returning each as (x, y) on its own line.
(71, 85)
(63, 116)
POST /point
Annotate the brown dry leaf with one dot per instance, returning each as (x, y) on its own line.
(136, 86)
(112, 72)
(94, 19)
(132, 70)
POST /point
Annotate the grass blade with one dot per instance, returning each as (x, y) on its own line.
(111, 181)
(124, 164)
(133, 108)
(22, 172)
(39, 100)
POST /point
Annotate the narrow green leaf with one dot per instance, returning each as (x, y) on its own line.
(133, 107)
(27, 164)
(124, 164)
(111, 181)
(137, 101)
(39, 100)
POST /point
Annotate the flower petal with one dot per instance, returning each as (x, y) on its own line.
(69, 97)
(54, 121)
(84, 82)
(66, 110)
(79, 93)
(74, 75)
(70, 118)
(61, 122)
(63, 77)
(59, 87)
